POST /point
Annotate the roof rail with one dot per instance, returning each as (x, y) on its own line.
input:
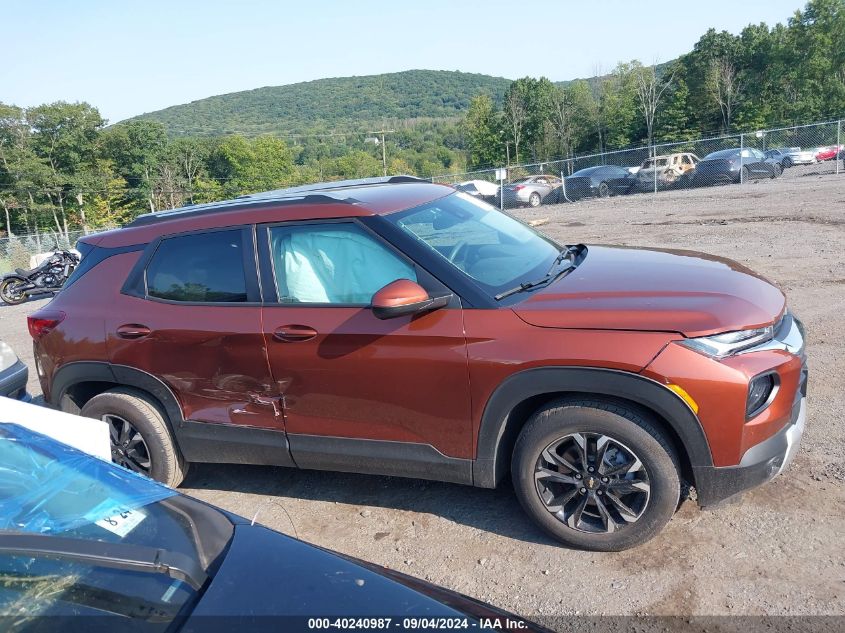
(302, 194)
(336, 184)
(227, 205)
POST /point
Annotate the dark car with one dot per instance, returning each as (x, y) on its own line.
(601, 181)
(80, 537)
(398, 327)
(13, 374)
(735, 165)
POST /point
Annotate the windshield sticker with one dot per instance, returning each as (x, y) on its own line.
(116, 518)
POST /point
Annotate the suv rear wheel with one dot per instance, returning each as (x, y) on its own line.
(595, 475)
(140, 439)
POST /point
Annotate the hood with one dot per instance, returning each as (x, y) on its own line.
(265, 573)
(621, 288)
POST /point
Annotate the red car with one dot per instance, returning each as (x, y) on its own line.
(829, 153)
(397, 327)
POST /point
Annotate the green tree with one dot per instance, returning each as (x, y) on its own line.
(355, 164)
(251, 165)
(64, 138)
(482, 129)
(136, 148)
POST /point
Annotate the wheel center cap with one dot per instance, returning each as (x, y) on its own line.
(591, 482)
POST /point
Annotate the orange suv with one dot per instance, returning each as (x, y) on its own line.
(397, 327)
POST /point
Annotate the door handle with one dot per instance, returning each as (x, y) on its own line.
(133, 331)
(294, 333)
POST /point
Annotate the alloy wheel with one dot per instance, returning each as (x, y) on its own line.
(13, 291)
(128, 448)
(592, 482)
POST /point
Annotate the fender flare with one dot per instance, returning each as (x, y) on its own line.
(78, 372)
(497, 431)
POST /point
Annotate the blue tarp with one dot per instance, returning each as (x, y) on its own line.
(48, 487)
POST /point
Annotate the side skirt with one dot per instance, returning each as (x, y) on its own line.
(231, 444)
(378, 457)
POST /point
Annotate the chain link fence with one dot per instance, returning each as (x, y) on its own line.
(795, 153)
(16, 251)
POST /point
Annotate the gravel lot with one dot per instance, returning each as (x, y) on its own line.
(780, 550)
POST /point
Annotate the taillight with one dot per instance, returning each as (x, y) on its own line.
(43, 322)
(519, 187)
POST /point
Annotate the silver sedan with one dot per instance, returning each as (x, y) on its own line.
(533, 191)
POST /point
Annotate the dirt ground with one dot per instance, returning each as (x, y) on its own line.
(779, 550)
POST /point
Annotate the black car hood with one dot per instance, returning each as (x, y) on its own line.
(278, 582)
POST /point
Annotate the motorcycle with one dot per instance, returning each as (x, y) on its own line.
(48, 277)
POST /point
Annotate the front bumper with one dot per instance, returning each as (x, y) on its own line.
(13, 382)
(760, 463)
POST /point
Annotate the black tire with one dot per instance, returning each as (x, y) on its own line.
(166, 463)
(623, 426)
(744, 176)
(534, 200)
(776, 171)
(604, 190)
(787, 162)
(8, 295)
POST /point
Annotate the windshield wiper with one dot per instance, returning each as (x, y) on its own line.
(569, 251)
(550, 275)
(112, 555)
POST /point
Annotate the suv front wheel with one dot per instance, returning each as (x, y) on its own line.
(140, 439)
(595, 475)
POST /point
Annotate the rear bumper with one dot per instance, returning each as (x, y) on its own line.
(517, 197)
(13, 382)
(759, 464)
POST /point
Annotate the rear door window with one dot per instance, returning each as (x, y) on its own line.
(201, 267)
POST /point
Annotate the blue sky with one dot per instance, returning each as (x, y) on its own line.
(128, 58)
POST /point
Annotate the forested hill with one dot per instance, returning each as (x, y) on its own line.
(336, 104)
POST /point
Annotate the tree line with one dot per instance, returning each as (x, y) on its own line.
(62, 168)
(761, 78)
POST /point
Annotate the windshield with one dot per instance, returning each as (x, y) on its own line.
(494, 249)
(72, 502)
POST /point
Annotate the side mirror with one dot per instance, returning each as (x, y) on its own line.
(402, 297)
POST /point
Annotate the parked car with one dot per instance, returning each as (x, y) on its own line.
(483, 189)
(789, 156)
(734, 165)
(828, 153)
(397, 327)
(671, 170)
(84, 434)
(601, 181)
(80, 537)
(13, 374)
(533, 191)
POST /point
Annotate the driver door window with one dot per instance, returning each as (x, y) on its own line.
(332, 263)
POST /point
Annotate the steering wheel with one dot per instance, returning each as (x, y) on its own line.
(457, 248)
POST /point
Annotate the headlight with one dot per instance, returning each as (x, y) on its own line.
(729, 343)
(7, 356)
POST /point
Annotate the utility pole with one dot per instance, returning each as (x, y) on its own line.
(383, 148)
